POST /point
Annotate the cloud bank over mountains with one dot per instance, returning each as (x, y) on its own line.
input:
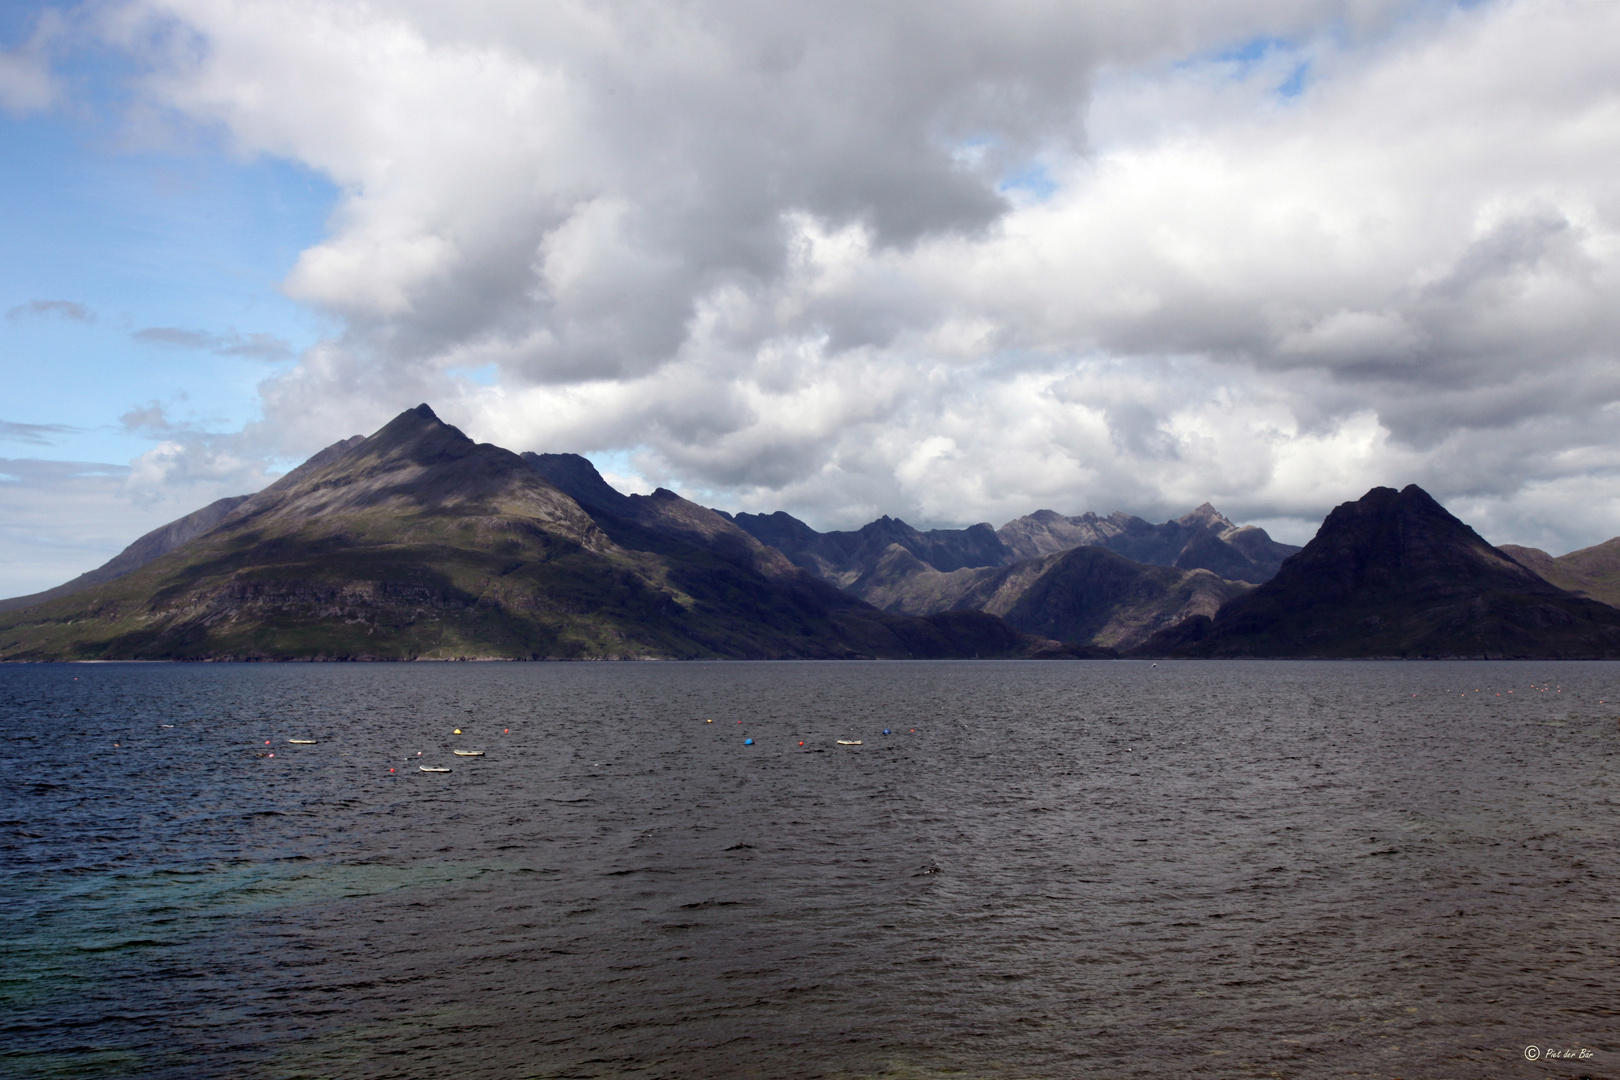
(947, 261)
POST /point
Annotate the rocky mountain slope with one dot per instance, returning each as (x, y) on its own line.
(844, 557)
(419, 543)
(1395, 575)
(1201, 540)
(1154, 575)
(1085, 594)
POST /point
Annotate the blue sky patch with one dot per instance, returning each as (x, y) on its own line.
(132, 276)
(1033, 180)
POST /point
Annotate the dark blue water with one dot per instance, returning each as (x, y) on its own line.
(1045, 870)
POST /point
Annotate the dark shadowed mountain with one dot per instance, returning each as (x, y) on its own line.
(1087, 594)
(419, 543)
(1395, 575)
(1592, 572)
(1201, 540)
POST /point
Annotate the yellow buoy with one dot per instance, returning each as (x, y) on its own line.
(456, 732)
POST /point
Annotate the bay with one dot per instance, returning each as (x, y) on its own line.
(1059, 869)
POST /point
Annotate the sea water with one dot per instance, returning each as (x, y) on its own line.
(1043, 870)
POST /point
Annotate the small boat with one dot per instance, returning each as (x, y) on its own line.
(468, 753)
(849, 742)
(302, 742)
(433, 768)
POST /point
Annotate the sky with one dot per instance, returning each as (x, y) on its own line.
(947, 261)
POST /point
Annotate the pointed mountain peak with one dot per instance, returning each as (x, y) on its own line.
(1405, 545)
(417, 435)
(1205, 516)
(415, 457)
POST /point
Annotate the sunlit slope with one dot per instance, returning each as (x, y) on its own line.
(1592, 572)
(419, 543)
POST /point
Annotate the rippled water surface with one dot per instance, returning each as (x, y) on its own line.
(1045, 870)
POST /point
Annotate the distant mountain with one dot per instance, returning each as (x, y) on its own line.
(1395, 575)
(1201, 540)
(1157, 576)
(419, 543)
(1592, 572)
(1087, 594)
(844, 557)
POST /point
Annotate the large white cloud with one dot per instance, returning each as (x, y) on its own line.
(955, 261)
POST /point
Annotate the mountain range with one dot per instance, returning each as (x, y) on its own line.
(1201, 540)
(417, 542)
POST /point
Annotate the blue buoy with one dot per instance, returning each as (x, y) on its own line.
(885, 731)
(748, 742)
